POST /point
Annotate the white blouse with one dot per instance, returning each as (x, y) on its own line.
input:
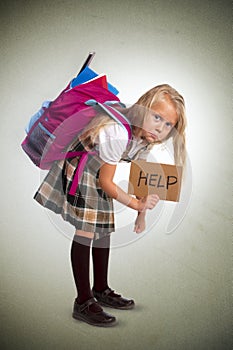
(112, 141)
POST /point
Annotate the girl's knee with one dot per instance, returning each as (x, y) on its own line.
(103, 242)
(83, 237)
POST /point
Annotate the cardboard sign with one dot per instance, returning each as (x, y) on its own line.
(154, 178)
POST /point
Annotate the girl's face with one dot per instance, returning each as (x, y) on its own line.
(160, 121)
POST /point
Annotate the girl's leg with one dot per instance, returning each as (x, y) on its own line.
(80, 261)
(85, 306)
(100, 255)
(105, 295)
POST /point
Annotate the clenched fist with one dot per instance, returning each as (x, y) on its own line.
(148, 202)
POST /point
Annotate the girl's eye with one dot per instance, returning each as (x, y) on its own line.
(157, 117)
(168, 125)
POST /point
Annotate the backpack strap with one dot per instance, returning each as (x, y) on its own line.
(114, 114)
(79, 171)
(118, 117)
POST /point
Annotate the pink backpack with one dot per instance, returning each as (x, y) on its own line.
(58, 124)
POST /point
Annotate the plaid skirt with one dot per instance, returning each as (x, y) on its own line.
(90, 209)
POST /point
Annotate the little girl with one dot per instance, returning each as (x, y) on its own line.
(158, 115)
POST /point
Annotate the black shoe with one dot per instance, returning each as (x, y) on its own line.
(83, 313)
(111, 299)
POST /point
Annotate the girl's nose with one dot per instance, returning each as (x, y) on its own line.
(159, 126)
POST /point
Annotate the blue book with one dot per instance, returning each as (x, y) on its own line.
(88, 74)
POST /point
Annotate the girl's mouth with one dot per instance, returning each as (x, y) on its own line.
(155, 137)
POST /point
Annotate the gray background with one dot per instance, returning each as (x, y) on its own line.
(180, 281)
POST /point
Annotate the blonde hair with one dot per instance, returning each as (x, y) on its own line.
(91, 131)
(157, 94)
(138, 112)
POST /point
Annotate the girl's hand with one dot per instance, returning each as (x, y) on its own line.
(140, 223)
(148, 202)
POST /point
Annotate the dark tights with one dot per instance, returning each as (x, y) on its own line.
(80, 260)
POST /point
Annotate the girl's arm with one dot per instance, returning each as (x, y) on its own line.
(106, 175)
(140, 222)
